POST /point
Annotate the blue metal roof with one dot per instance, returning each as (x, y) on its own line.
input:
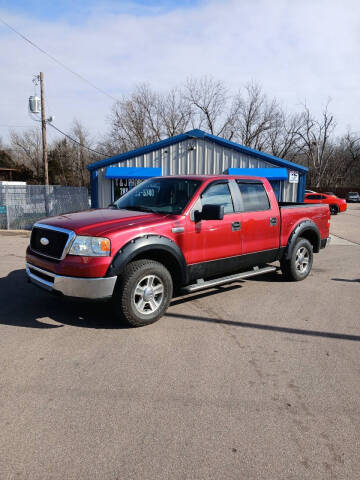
(202, 135)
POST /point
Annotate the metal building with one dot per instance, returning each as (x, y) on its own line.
(194, 152)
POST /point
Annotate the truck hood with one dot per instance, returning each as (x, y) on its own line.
(101, 222)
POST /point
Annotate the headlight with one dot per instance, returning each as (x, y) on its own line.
(90, 247)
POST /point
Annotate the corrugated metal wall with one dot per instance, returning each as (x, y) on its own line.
(193, 156)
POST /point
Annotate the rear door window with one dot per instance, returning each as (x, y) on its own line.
(254, 197)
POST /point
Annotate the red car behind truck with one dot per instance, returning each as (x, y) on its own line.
(335, 203)
(174, 233)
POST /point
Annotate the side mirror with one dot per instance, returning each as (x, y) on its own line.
(210, 212)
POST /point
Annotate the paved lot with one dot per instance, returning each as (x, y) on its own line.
(255, 380)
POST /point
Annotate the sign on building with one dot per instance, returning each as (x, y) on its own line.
(293, 176)
(123, 185)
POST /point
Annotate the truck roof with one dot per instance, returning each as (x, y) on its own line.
(214, 177)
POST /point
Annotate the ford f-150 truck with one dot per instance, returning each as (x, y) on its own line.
(174, 234)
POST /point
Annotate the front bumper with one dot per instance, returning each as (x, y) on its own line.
(91, 288)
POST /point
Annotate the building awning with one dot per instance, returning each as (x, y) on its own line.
(132, 172)
(269, 173)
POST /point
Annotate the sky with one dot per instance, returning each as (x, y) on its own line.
(299, 51)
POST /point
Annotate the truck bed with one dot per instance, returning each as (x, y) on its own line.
(294, 213)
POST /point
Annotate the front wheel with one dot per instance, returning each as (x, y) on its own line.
(298, 266)
(142, 293)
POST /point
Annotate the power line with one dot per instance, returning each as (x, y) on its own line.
(75, 141)
(58, 61)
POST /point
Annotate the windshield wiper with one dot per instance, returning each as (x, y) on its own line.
(139, 208)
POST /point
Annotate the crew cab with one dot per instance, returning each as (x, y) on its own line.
(174, 234)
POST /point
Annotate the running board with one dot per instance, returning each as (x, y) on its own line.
(201, 284)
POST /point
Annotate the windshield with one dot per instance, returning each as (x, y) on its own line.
(160, 195)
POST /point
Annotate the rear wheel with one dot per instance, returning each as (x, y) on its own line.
(334, 209)
(298, 266)
(143, 293)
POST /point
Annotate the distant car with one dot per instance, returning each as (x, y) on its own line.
(353, 197)
(332, 194)
(336, 204)
(310, 191)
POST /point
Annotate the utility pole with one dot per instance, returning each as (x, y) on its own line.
(43, 129)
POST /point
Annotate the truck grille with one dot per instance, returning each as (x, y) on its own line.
(57, 241)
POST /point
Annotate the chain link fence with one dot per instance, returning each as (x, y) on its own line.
(22, 205)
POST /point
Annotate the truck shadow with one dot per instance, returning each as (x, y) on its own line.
(180, 298)
(271, 328)
(346, 280)
(25, 305)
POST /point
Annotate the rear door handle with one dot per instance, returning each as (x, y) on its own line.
(273, 221)
(235, 226)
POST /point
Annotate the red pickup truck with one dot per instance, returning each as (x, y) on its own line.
(174, 234)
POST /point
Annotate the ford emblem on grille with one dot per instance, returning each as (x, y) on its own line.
(44, 241)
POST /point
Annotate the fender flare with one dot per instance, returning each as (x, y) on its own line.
(299, 230)
(148, 243)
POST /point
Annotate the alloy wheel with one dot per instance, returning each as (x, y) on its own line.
(148, 294)
(302, 260)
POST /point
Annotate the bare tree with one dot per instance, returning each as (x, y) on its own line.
(82, 156)
(211, 106)
(344, 166)
(249, 117)
(61, 163)
(6, 160)
(352, 145)
(174, 113)
(256, 116)
(27, 149)
(135, 121)
(69, 157)
(283, 139)
(318, 147)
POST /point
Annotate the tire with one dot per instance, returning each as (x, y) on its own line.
(334, 209)
(142, 293)
(296, 268)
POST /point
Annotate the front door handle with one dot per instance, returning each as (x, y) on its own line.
(235, 226)
(273, 221)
